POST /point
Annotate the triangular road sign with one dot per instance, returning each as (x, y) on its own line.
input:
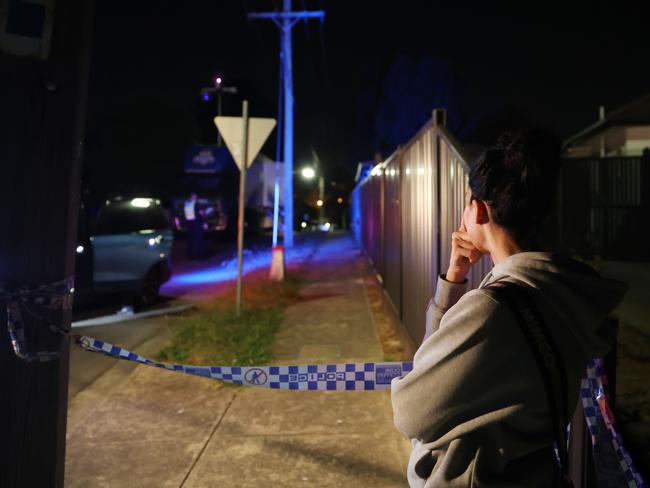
(232, 131)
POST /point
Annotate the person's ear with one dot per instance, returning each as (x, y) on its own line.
(481, 212)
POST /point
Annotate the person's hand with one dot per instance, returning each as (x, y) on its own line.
(463, 255)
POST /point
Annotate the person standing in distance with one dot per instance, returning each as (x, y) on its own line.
(475, 404)
(194, 221)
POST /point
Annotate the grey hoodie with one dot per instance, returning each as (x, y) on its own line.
(474, 405)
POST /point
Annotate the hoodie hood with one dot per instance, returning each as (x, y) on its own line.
(578, 294)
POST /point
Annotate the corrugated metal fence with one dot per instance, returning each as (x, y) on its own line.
(405, 213)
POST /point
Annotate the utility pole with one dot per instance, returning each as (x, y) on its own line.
(44, 62)
(285, 21)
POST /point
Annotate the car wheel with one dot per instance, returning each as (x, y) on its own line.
(149, 290)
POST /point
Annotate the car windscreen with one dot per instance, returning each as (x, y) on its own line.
(124, 218)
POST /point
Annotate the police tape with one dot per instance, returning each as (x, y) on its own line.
(323, 377)
(613, 464)
(36, 301)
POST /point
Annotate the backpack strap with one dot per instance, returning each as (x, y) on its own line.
(548, 358)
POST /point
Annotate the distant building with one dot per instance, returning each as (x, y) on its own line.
(604, 194)
(624, 131)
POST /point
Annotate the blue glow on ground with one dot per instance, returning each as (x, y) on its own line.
(223, 272)
(313, 248)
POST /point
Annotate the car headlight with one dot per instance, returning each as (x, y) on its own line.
(153, 241)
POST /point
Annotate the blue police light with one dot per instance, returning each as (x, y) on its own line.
(206, 97)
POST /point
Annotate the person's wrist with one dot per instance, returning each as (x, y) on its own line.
(454, 277)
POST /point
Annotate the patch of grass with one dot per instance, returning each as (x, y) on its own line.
(214, 335)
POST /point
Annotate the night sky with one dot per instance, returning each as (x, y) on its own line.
(365, 80)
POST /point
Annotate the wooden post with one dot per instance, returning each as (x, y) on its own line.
(41, 127)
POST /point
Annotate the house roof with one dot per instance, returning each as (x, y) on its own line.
(636, 112)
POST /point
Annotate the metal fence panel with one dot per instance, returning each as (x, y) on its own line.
(392, 272)
(367, 231)
(454, 175)
(619, 209)
(419, 230)
(601, 205)
(377, 203)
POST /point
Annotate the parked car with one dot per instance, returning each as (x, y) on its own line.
(132, 243)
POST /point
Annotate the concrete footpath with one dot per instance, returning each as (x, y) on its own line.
(153, 428)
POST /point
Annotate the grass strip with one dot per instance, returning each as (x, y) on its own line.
(214, 335)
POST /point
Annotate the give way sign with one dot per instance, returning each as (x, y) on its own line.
(232, 131)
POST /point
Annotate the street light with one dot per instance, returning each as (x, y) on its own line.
(219, 89)
(308, 173)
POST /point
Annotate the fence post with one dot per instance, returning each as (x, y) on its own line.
(382, 225)
(440, 117)
(400, 203)
(439, 120)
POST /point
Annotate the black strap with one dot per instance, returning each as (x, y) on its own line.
(548, 357)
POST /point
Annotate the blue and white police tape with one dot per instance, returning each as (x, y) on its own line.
(335, 377)
(36, 300)
(614, 466)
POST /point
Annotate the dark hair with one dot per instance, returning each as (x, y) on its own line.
(517, 178)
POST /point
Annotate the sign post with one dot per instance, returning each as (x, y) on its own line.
(242, 197)
(244, 138)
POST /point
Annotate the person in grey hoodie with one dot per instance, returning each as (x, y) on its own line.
(475, 404)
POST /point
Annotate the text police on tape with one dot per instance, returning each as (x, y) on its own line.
(332, 376)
